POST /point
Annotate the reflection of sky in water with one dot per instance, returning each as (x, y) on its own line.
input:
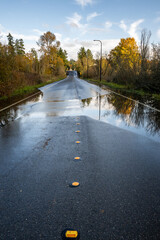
(109, 108)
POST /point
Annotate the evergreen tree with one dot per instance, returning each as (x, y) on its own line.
(82, 53)
(19, 47)
(11, 44)
(63, 54)
(89, 54)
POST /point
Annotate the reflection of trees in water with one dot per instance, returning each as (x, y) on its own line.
(131, 112)
(153, 124)
(10, 114)
(86, 102)
(134, 113)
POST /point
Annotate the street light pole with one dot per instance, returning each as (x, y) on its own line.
(100, 58)
(87, 64)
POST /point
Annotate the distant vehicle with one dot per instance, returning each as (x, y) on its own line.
(72, 73)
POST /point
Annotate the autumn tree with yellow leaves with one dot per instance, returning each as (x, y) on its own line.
(125, 60)
(19, 69)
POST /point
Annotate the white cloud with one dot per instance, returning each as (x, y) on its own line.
(158, 33)
(29, 40)
(107, 45)
(108, 25)
(1, 28)
(45, 25)
(25, 37)
(58, 36)
(83, 3)
(75, 23)
(157, 19)
(39, 32)
(19, 36)
(73, 46)
(122, 25)
(93, 30)
(75, 20)
(93, 15)
(134, 27)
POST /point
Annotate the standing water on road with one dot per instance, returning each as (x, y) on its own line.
(81, 98)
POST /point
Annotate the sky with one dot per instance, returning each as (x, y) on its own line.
(77, 23)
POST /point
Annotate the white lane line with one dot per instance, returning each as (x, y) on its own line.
(18, 102)
(134, 101)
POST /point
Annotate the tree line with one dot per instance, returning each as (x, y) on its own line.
(134, 66)
(19, 68)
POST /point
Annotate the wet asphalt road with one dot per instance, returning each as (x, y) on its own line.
(119, 173)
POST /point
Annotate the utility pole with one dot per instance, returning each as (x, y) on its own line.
(87, 64)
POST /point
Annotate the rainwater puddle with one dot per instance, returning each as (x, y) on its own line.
(110, 108)
(124, 113)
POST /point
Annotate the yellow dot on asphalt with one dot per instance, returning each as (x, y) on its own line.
(77, 142)
(77, 158)
(78, 131)
(71, 234)
(78, 123)
(75, 184)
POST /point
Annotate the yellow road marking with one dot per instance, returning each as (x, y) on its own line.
(75, 184)
(71, 234)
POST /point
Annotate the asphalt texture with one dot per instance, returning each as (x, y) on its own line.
(119, 173)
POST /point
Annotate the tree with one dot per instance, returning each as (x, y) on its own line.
(125, 58)
(19, 47)
(10, 40)
(32, 58)
(47, 42)
(82, 53)
(63, 55)
(11, 44)
(155, 68)
(82, 61)
(34, 53)
(125, 54)
(89, 54)
(49, 47)
(72, 64)
(144, 48)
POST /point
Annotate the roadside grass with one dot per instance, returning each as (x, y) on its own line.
(156, 96)
(125, 88)
(28, 90)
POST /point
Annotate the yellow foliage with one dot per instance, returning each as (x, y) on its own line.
(125, 54)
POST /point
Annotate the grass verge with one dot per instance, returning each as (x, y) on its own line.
(28, 90)
(21, 93)
(126, 89)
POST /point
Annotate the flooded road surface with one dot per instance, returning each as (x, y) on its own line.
(117, 168)
(71, 98)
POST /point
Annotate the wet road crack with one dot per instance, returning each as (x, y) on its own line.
(46, 143)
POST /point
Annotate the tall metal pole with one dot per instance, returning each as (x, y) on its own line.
(100, 59)
(87, 65)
